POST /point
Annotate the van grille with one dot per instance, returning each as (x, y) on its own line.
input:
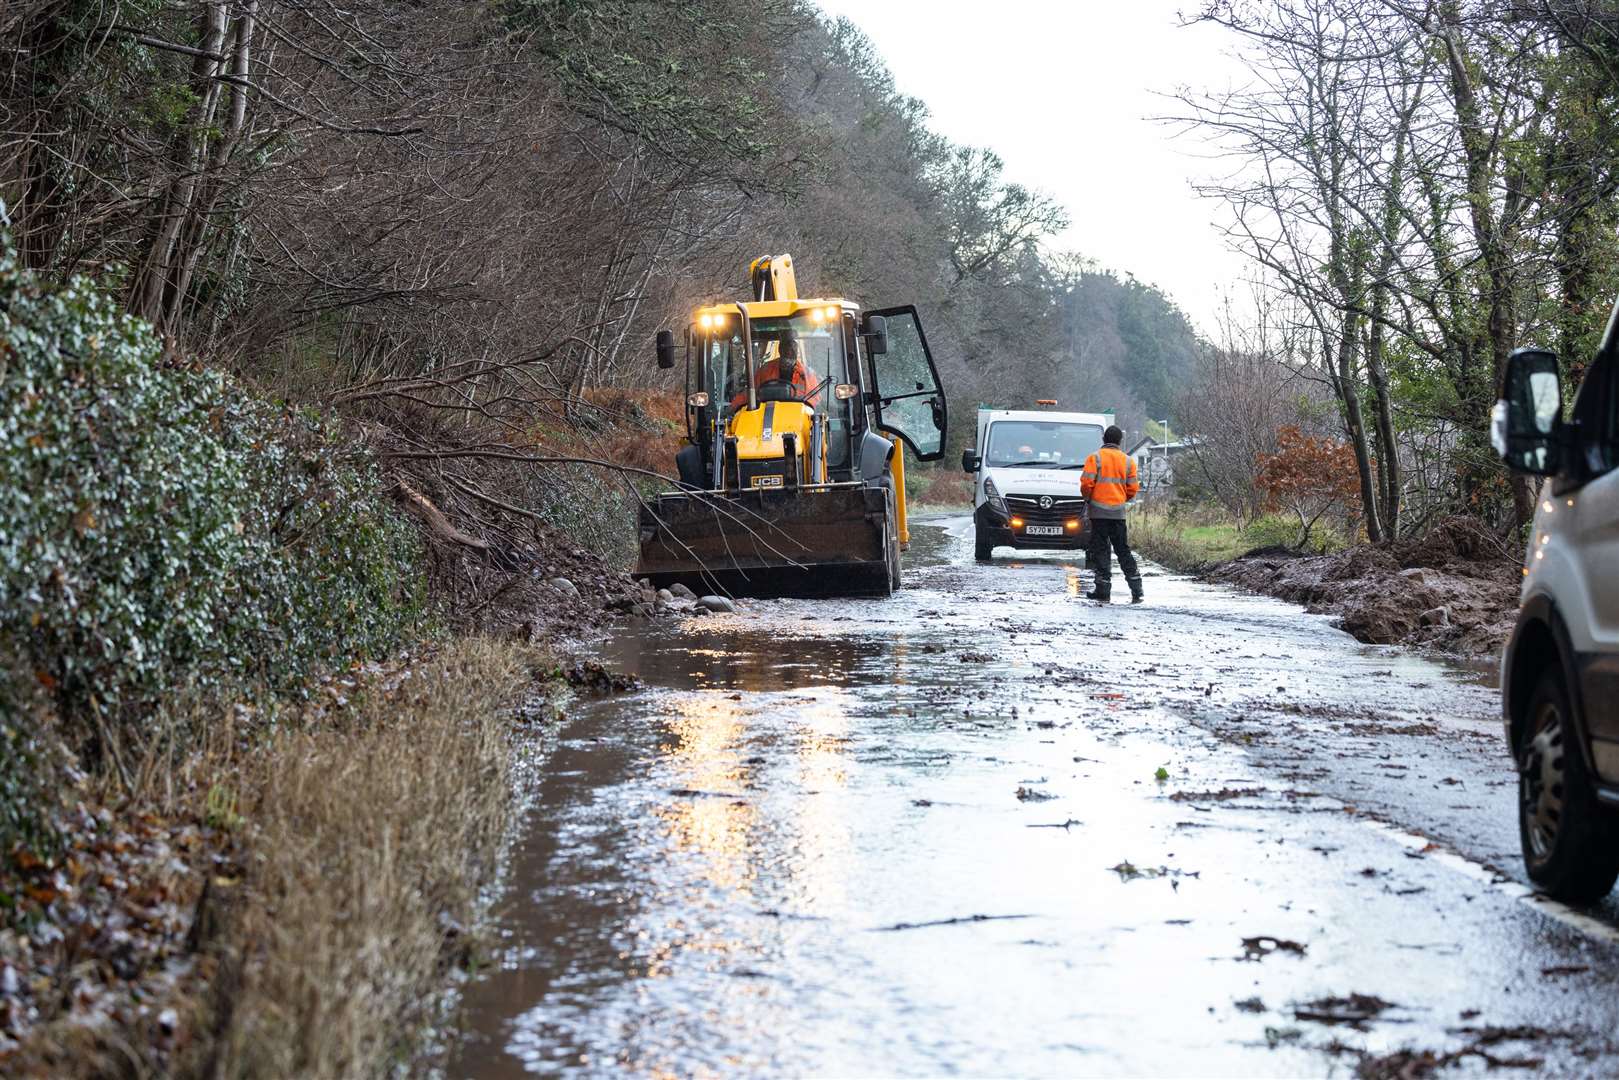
(1029, 509)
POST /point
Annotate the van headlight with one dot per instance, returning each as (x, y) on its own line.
(993, 495)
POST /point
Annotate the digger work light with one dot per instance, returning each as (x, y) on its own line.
(845, 391)
(698, 400)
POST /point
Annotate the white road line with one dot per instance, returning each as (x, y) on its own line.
(1571, 917)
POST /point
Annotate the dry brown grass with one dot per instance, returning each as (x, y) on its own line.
(294, 892)
(372, 833)
(649, 426)
(941, 488)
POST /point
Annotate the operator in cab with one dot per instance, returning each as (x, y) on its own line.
(788, 367)
(1108, 483)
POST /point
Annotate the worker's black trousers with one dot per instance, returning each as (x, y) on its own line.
(1107, 536)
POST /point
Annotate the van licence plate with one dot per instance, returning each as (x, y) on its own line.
(1043, 530)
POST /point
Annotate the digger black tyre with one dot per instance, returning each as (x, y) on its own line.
(891, 536)
(894, 569)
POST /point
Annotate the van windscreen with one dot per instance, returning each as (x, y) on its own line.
(1050, 444)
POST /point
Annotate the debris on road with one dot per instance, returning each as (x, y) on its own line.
(957, 921)
(593, 676)
(1129, 871)
(1222, 795)
(1257, 948)
(1354, 1010)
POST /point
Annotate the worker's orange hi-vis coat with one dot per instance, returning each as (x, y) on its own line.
(1109, 480)
(770, 371)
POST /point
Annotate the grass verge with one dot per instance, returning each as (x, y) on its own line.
(292, 904)
(1189, 540)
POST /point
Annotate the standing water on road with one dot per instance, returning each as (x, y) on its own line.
(988, 827)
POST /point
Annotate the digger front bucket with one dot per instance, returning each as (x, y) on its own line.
(808, 541)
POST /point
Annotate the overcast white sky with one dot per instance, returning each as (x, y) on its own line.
(1061, 90)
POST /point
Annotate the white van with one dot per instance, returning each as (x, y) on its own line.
(1560, 671)
(1028, 464)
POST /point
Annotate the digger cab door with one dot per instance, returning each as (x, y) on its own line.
(907, 400)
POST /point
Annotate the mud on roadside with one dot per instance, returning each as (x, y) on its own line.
(1454, 590)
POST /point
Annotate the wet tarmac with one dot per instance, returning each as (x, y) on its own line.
(987, 827)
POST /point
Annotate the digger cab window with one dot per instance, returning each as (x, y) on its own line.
(798, 357)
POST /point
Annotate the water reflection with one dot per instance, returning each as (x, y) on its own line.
(709, 817)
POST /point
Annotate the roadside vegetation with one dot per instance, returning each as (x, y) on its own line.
(939, 489)
(282, 893)
(251, 789)
(1192, 538)
(1420, 189)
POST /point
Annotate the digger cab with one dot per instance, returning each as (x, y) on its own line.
(765, 428)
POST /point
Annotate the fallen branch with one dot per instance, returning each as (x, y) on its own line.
(960, 919)
(422, 507)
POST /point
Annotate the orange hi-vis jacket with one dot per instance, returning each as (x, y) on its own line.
(770, 371)
(1108, 482)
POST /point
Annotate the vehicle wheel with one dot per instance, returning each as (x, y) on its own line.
(982, 546)
(1570, 841)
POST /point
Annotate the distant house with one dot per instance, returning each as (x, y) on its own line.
(1156, 461)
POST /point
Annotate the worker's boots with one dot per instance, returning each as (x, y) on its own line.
(1102, 593)
(1136, 595)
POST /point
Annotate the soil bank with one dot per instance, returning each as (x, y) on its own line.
(1454, 590)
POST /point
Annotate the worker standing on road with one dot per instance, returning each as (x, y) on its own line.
(1108, 483)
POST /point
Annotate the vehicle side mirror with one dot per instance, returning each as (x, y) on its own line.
(876, 334)
(1526, 424)
(666, 349)
(970, 460)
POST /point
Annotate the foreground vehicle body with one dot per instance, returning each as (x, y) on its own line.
(1560, 670)
(794, 480)
(1028, 464)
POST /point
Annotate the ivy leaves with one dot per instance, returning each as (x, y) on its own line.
(166, 529)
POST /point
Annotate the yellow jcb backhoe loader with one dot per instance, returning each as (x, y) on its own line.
(794, 480)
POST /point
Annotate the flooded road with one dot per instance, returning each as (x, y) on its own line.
(987, 827)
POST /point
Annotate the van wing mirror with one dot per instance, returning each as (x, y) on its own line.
(1526, 425)
(969, 460)
(666, 349)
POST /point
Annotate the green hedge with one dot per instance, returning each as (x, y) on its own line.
(164, 529)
